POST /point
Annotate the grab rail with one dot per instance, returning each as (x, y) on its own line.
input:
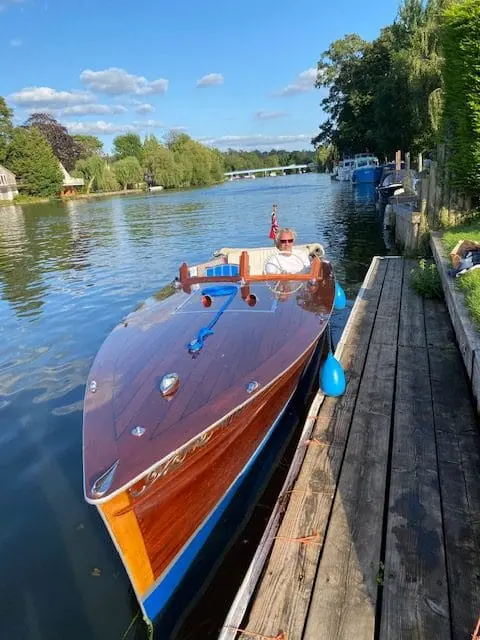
(316, 273)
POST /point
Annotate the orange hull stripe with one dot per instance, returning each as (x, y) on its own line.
(129, 540)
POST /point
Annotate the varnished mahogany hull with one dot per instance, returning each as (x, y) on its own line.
(160, 524)
(162, 469)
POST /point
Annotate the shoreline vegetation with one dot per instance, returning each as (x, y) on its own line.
(35, 151)
(413, 87)
(24, 199)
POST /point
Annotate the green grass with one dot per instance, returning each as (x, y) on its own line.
(23, 199)
(470, 231)
(469, 283)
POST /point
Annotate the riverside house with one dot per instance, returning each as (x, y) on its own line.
(8, 184)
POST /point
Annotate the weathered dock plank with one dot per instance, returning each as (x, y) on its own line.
(344, 597)
(458, 447)
(415, 601)
(283, 596)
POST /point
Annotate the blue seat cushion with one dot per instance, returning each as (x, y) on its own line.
(222, 270)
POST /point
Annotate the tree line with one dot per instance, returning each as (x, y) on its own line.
(241, 160)
(416, 84)
(32, 152)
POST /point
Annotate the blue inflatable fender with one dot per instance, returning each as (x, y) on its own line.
(332, 377)
(340, 300)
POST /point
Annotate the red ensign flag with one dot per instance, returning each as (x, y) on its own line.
(274, 227)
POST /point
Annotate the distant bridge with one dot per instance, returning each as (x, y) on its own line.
(267, 170)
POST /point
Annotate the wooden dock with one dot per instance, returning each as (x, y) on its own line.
(380, 533)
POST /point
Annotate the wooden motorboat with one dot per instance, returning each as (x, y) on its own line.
(182, 397)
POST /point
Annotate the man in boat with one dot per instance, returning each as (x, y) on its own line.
(287, 259)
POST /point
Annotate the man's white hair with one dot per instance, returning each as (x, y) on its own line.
(284, 230)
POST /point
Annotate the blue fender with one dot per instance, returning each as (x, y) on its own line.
(340, 299)
(332, 377)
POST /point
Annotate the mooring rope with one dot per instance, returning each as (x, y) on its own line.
(195, 345)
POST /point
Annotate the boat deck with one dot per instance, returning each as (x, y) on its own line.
(381, 532)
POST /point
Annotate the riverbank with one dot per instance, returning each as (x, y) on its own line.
(22, 199)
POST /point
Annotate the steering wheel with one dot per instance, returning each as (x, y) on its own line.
(297, 265)
(284, 287)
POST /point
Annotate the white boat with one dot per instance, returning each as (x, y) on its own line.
(344, 169)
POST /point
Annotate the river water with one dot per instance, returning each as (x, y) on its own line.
(68, 273)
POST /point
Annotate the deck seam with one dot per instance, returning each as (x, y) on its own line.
(388, 471)
(439, 477)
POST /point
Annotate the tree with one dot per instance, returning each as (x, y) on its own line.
(88, 145)
(386, 94)
(128, 145)
(6, 128)
(92, 170)
(63, 145)
(160, 164)
(337, 67)
(128, 172)
(325, 156)
(32, 160)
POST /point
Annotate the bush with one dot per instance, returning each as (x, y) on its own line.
(425, 280)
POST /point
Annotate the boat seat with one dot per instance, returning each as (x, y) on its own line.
(259, 255)
(222, 270)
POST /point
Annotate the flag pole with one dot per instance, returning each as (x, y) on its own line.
(274, 224)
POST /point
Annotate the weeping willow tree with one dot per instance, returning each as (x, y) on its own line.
(386, 94)
(421, 59)
(97, 173)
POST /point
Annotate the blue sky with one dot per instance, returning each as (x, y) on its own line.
(236, 74)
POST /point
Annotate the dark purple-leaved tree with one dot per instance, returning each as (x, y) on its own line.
(62, 143)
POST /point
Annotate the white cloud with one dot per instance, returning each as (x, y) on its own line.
(144, 108)
(117, 82)
(39, 97)
(257, 141)
(270, 115)
(304, 82)
(210, 80)
(101, 127)
(16, 42)
(140, 125)
(8, 3)
(156, 86)
(92, 109)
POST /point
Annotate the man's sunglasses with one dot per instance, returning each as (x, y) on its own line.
(288, 240)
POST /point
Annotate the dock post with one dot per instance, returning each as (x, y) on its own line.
(398, 160)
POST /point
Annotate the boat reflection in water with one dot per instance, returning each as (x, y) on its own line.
(185, 396)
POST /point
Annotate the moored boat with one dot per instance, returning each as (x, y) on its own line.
(366, 169)
(344, 169)
(391, 184)
(184, 395)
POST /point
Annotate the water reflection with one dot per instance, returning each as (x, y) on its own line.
(68, 273)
